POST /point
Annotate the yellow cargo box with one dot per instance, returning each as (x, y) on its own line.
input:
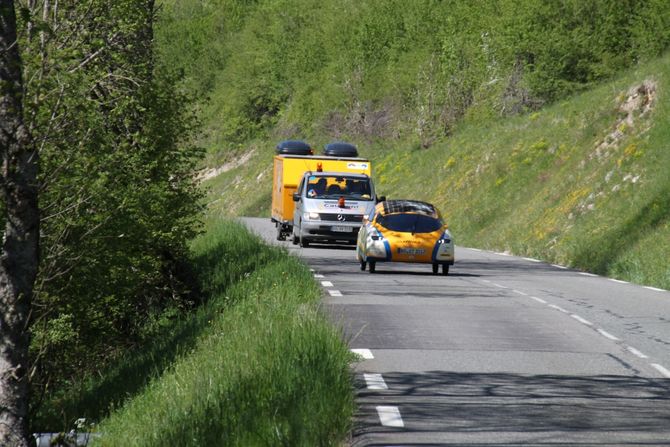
(289, 170)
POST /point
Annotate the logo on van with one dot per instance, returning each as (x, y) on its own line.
(361, 166)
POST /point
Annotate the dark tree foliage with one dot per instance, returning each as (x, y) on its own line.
(118, 196)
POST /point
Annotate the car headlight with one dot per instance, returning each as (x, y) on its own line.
(445, 238)
(311, 216)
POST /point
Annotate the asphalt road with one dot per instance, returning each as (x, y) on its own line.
(503, 351)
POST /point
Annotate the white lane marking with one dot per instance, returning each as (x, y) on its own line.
(326, 284)
(501, 286)
(558, 308)
(661, 369)
(587, 274)
(532, 259)
(562, 267)
(606, 334)
(502, 254)
(311, 270)
(581, 320)
(519, 292)
(655, 289)
(486, 280)
(316, 275)
(362, 352)
(539, 300)
(390, 416)
(334, 292)
(618, 280)
(375, 382)
(636, 352)
(475, 249)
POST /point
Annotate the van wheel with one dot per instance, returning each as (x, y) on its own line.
(281, 236)
(295, 240)
(436, 267)
(373, 266)
(445, 269)
(303, 242)
(363, 265)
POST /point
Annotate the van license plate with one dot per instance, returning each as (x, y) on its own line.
(341, 229)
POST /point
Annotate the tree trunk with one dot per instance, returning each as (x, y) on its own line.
(19, 257)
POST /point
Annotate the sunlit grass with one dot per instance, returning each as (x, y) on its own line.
(257, 364)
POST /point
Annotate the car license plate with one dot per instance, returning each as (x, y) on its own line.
(411, 251)
(341, 229)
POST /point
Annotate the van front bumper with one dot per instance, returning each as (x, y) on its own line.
(332, 231)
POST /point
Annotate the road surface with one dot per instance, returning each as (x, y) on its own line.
(503, 351)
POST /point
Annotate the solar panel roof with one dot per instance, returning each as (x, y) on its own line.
(408, 206)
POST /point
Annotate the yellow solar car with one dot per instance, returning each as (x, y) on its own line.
(405, 231)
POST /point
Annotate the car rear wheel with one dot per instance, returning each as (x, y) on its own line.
(445, 269)
(363, 265)
(436, 267)
(373, 265)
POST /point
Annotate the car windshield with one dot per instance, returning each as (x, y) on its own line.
(409, 223)
(334, 187)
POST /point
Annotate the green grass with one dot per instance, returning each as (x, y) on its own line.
(257, 364)
(267, 370)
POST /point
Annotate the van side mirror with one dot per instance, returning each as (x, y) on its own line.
(296, 197)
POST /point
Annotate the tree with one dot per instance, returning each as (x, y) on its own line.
(19, 257)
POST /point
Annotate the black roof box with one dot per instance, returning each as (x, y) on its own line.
(294, 147)
(340, 149)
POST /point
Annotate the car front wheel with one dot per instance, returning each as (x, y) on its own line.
(363, 265)
(445, 269)
(436, 267)
(373, 265)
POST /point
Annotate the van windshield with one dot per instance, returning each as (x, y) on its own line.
(409, 223)
(334, 187)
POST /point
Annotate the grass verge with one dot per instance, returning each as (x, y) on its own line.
(268, 370)
(258, 364)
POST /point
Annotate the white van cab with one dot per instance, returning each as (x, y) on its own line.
(329, 207)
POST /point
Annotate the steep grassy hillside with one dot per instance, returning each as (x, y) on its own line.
(538, 127)
(583, 182)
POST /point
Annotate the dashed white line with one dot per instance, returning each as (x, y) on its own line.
(636, 352)
(581, 320)
(661, 369)
(390, 416)
(475, 249)
(334, 292)
(618, 280)
(486, 281)
(656, 289)
(539, 300)
(587, 274)
(375, 382)
(316, 275)
(520, 292)
(363, 352)
(606, 334)
(562, 267)
(501, 286)
(326, 284)
(558, 308)
(532, 259)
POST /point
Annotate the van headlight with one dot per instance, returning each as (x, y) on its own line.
(311, 216)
